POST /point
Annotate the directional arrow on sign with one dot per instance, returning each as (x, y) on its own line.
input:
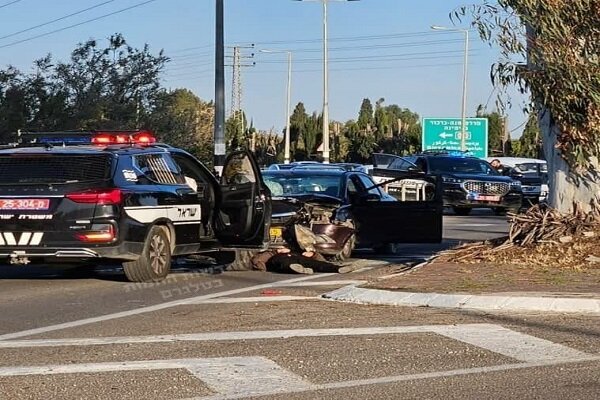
(446, 135)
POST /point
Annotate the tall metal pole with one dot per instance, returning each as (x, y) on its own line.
(463, 136)
(288, 111)
(325, 88)
(219, 124)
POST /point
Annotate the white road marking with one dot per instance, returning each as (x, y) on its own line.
(230, 376)
(156, 307)
(474, 225)
(490, 337)
(324, 283)
(403, 378)
(262, 299)
(509, 343)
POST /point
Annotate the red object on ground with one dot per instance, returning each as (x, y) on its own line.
(271, 292)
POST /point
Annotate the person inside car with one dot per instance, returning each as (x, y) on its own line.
(497, 165)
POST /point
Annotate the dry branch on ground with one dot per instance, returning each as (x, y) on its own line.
(542, 236)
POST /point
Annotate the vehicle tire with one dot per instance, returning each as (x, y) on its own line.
(347, 250)
(154, 263)
(499, 210)
(242, 260)
(463, 211)
(385, 249)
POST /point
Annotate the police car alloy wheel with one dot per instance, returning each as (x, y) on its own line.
(154, 263)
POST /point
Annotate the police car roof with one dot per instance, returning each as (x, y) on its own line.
(83, 149)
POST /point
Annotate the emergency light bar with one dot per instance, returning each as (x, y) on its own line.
(74, 138)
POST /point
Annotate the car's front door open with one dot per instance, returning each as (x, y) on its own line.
(244, 207)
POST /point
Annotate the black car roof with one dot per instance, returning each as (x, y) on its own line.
(307, 172)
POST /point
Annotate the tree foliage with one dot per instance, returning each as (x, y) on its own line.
(560, 39)
(181, 119)
(114, 87)
(495, 130)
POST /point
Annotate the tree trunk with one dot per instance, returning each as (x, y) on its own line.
(566, 186)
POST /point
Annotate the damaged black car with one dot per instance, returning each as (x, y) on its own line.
(345, 210)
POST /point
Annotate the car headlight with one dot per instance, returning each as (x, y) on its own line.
(515, 185)
(449, 179)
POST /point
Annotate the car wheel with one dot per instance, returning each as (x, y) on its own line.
(462, 210)
(385, 249)
(347, 250)
(154, 263)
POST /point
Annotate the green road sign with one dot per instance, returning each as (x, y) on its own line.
(445, 133)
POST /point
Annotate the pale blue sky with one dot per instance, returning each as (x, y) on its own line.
(379, 48)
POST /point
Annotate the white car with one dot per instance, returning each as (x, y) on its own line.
(528, 167)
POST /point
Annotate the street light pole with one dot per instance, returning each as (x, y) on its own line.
(463, 130)
(219, 123)
(325, 88)
(326, 80)
(286, 151)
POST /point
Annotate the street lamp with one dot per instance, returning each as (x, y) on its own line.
(463, 135)
(325, 79)
(288, 105)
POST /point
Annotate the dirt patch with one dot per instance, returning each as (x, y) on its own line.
(448, 277)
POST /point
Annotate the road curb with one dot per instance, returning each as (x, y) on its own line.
(353, 294)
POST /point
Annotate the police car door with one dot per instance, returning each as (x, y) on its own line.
(244, 210)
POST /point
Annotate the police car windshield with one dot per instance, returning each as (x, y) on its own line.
(301, 185)
(458, 165)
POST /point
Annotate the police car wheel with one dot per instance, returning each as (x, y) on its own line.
(154, 263)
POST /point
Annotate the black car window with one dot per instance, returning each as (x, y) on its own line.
(159, 168)
(459, 165)
(368, 183)
(238, 170)
(190, 169)
(400, 164)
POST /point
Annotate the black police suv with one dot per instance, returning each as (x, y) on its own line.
(119, 196)
(468, 182)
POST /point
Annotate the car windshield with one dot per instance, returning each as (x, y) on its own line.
(457, 165)
(299, 185)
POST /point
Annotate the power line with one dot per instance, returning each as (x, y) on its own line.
(57, 19)
(9, 3)
(355, 38)
(78, 24)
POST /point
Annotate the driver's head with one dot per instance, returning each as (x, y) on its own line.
(496, 163)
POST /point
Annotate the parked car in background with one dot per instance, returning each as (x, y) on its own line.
(531, 172)
(468, 182)
(277, 167)
(350, 209)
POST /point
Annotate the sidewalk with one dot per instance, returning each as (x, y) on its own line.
(486, 287)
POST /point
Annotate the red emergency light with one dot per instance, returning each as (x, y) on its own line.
(104, 138)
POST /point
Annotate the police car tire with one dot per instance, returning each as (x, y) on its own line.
(142, 270)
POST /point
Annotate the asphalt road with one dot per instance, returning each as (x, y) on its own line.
(224, 335)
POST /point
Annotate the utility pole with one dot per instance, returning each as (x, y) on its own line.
(236, 86)
(219, 125)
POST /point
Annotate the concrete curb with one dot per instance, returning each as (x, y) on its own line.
(353, 294)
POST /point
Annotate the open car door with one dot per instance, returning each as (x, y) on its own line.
(415, 217)
(244, 207)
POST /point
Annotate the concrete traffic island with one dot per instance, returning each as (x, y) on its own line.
(483, 287)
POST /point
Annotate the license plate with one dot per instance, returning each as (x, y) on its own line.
(24, 204)
(275, 233)
(482, 197)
